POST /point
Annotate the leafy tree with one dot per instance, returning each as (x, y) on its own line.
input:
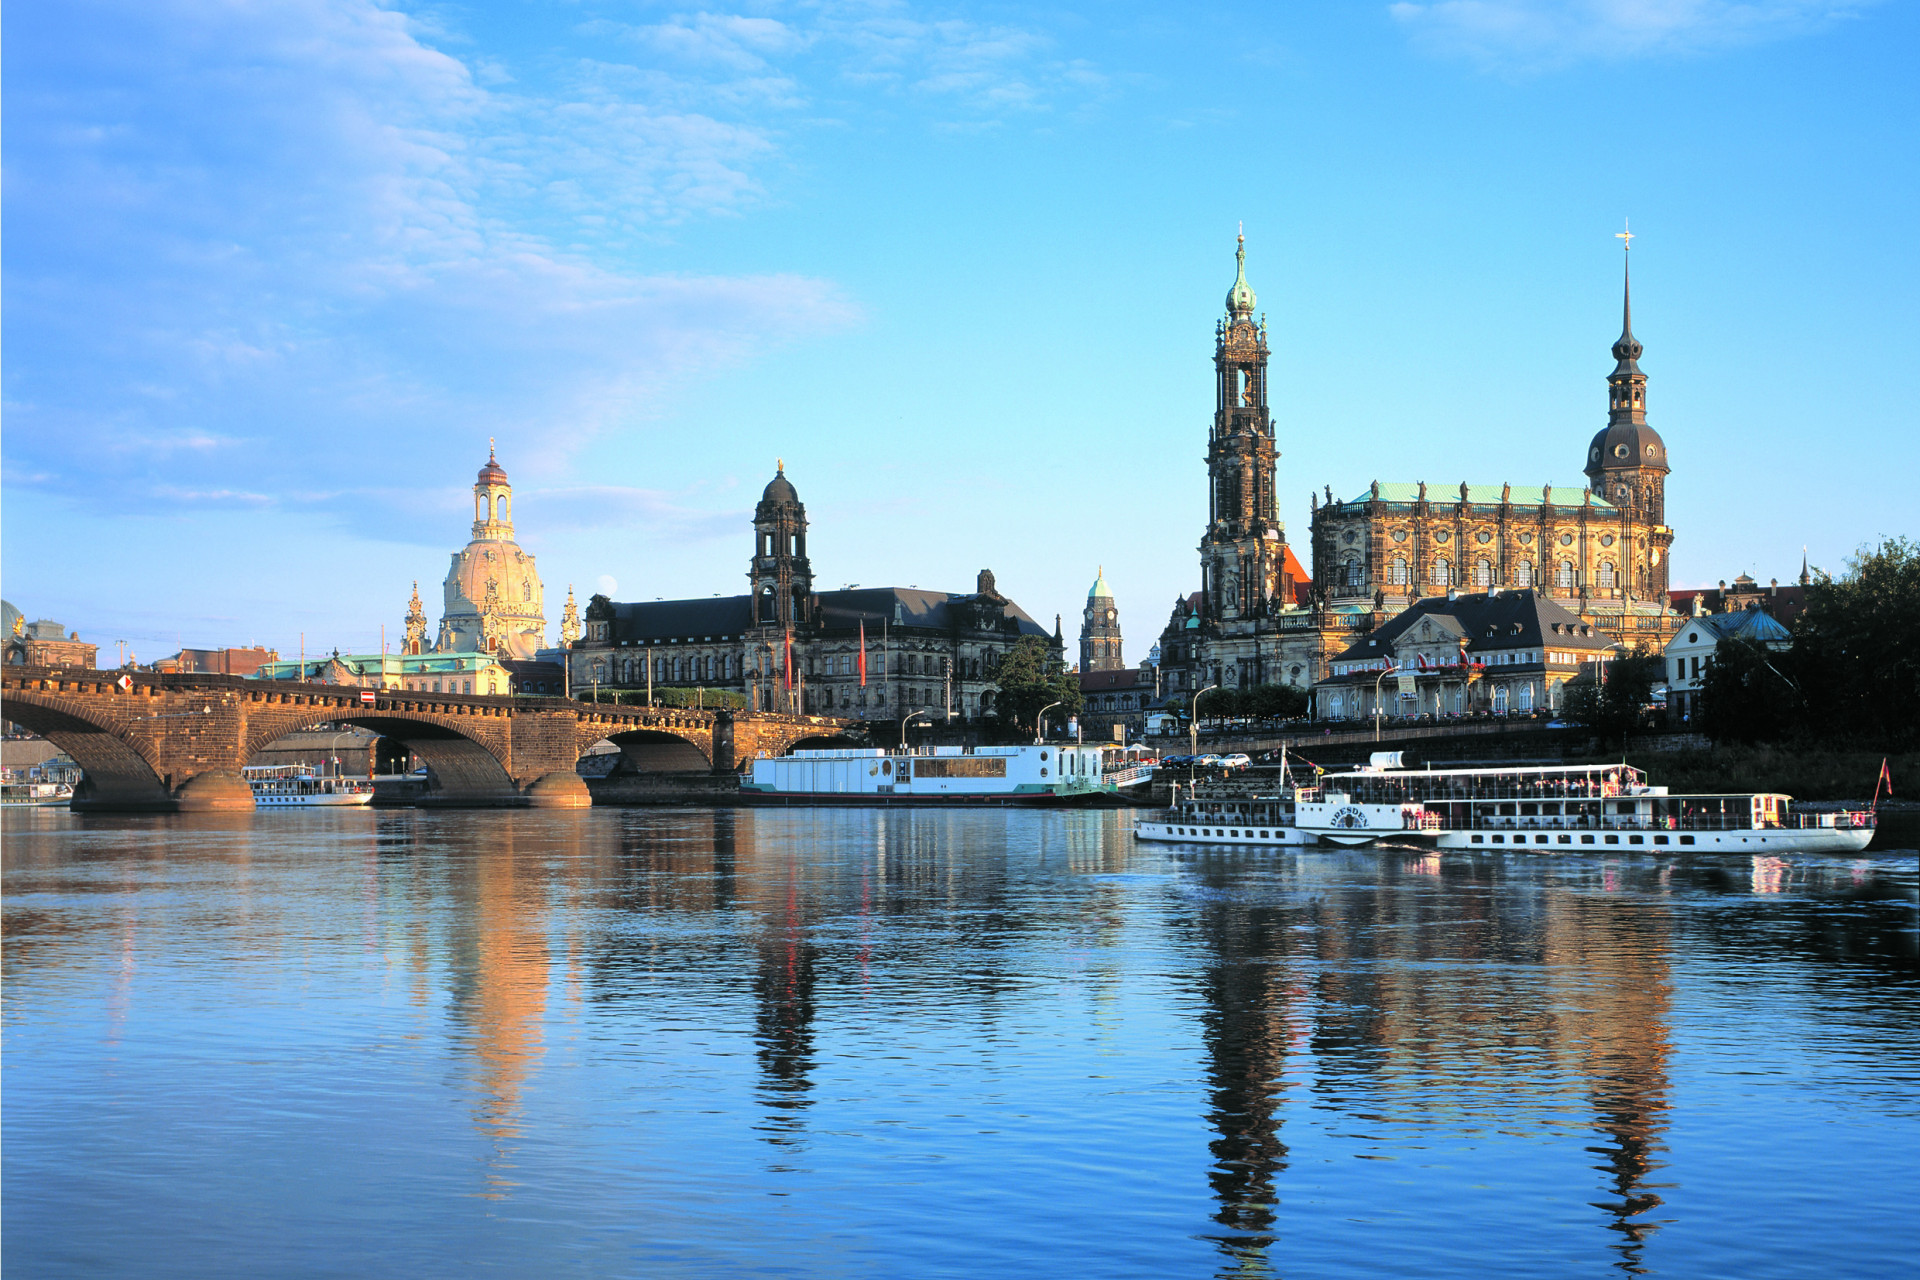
(1857, 643)
(1617, 704)
(1031, 676)
(1276, 702)
(1745, 696)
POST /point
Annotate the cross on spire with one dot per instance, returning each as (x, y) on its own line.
(1625, 237)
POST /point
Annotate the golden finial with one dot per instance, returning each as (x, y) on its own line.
(1625, 237)
(779, 464)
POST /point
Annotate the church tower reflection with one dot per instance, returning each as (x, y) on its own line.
(1247, 997)
(785, 974)
(1621, 1040)
(501, 968)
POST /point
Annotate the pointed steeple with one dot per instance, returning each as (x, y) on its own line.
(1240, 299)
(1627, 349)
(569, 620)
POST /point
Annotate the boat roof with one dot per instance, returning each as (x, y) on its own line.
(1364, 772)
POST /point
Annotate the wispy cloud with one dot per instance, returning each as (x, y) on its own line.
(257, 251)
(1531, 35)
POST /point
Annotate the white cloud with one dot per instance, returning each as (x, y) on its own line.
(1537, 34)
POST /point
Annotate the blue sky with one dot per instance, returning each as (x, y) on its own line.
(275, 272)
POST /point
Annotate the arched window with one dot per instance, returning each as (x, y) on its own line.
(676, 668)
(1564, 579)
(1442, 572)
(1397, 572)
(1523, 574)
(1608, 578)
(1356, 575)
(1483, 572)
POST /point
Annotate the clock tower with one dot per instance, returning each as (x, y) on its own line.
(1100, 629)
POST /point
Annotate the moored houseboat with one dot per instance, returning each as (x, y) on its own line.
(1040, 774)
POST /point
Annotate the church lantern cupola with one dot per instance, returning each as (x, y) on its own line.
(1100, 628)
(781, 576)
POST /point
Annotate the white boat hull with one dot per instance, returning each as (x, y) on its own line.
(350, 799)
(1186, 833)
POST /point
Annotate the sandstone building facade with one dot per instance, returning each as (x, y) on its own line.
(1599, 550)
(879, 653)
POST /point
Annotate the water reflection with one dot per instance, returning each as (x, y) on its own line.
(1013, 1004)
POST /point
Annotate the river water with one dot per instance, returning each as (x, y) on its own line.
(865, 1043)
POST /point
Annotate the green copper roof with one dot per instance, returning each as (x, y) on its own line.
(1487, 494)
(1240, 298)
(1100, 587)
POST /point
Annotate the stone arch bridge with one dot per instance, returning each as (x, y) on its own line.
(176, 743)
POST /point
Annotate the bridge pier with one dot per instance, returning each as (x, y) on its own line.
(561, 789)
(215, 791)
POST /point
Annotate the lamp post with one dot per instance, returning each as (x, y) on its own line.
(1040, 723)
(1193, 721)
(907, 720)
(1385, 671)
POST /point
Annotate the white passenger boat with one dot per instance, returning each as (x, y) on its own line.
(34, 795)
(1561, 809)
(1248, 810)
(287, 786)
(1044, 773)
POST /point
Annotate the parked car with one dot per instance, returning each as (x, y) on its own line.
(1208, 761)
(1238, 760)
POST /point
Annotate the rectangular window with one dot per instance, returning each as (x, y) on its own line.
(1636, 839)
(1479, 839)
(1586, 839)
(1613, 839)
(1566, 839)
(1660, 840)
(1686, 839)
(962, 767)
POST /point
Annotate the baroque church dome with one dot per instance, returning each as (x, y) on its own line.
(493, 598)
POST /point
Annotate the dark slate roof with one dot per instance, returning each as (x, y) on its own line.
(1108, 681)
(1493, 620)
(731, 616)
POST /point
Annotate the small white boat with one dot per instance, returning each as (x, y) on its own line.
(287, 786)
(34, 795)
(1233, 811)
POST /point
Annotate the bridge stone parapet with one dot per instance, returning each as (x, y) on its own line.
(178, 742)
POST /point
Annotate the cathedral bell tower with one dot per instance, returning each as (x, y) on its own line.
(1627, 462)
(1100, 629)
(1242, 550)
(781, 577)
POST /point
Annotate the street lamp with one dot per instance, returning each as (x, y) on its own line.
(1385, 671)
(907, 720)
(1193, 721)
(1040, 722)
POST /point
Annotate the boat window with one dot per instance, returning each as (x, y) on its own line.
(1499, 839)
(1539, 839)
(1613, 839)
(1586, 839)
(1686, 839)
(1529, 810)
(1660, 840)
(1506, 811)
(1566, 839)
(1479, 839)
(1636, 839)
(1234, 834)
(1263, 835)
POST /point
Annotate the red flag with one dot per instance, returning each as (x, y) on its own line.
(1884, 780)
(863, 653)
(788, 673)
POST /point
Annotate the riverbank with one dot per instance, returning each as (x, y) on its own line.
(1805, 773)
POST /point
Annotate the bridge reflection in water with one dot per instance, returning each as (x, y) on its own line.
(981, 1034)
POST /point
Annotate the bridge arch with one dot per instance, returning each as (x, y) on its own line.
(656, 751)
(116, 773)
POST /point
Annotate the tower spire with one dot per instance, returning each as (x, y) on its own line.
(1240, 298)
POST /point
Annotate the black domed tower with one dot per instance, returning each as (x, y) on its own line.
(781, 577)
(1627, 462)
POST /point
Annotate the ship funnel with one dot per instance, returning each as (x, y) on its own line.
(1385, 760)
